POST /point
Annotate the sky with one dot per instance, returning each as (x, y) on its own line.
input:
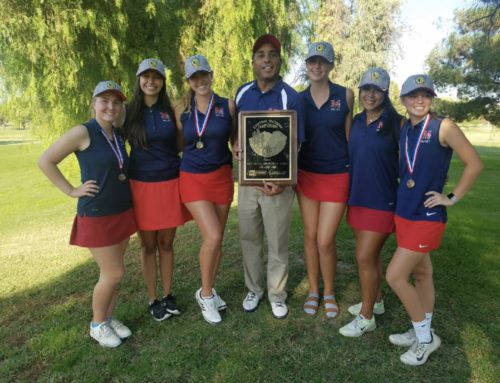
(426, 23)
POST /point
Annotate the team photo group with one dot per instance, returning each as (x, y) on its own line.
(149, 165)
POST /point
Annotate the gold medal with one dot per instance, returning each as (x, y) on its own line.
(122, 177)
(410, 184)
(200, 145)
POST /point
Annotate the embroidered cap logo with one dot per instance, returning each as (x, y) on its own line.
(195, 62)
(153, 64)
(110, 85)
(375, 76)
(320, 48)
(420, 80)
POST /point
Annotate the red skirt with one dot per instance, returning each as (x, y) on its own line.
(323, 187)
(419, 236)
(102, 231)
(216, 186)
(157, 205)
(363, 218)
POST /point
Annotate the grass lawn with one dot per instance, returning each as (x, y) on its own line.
(46, 286)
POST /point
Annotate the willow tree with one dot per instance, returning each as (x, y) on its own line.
(364, 33)
(52, 53)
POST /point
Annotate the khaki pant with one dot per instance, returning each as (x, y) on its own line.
(259, 214)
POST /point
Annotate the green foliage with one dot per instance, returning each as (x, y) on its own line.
(363, 33)
(469, 60)
(52, 53)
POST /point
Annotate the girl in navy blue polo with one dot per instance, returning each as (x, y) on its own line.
(373, 157)
(426, 146)
(105, 218)
(323, 176)
(154, 174)
(206, 182)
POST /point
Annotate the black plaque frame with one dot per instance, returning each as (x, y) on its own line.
(279, 168)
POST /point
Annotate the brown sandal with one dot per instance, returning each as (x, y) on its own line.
(330, 306)
(311, 305)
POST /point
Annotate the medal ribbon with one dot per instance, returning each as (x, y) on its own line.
(410, 165)
(115, 148)
(201, 130)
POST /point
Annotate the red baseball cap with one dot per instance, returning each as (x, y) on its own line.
(267, 39)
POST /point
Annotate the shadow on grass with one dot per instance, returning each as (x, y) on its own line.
(45, 335)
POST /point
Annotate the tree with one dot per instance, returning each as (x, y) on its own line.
(364, 33)
(469, 60)
(52, 53)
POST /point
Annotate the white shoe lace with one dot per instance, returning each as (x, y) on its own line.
(250, 296)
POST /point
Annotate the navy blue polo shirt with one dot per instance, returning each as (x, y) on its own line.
(373, 158)
(159, 161)
(99, 163)
(325, 150)
(215, 152)
(429, 172)
(281, 96)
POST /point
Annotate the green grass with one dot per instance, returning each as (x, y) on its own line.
(46, 286)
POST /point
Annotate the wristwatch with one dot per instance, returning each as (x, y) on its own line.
(452, 197)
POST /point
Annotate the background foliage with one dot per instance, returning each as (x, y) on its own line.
(52, 53)
(469, 60)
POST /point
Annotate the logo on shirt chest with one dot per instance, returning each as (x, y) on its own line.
(219, 111)
(426, 137)
(335, 105)
(164, 116)
(380, 126)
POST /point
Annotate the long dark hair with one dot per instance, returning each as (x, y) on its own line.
(134, 129)
(391, 118)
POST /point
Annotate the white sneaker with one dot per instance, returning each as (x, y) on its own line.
(358, 327)
(221, 305)
(251, 302)
(105, 335)
(280, 310)
(378, 308)
(119, 328)
(419, 352)
(405, 339)
(208, 308)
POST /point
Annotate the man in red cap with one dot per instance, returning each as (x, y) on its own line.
(267, 209)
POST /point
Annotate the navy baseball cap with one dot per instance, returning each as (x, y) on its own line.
(195, 64)
(108, 86)
(321, 49)
(376, 77)
(266, 39)
(151, 64)
(416, 82)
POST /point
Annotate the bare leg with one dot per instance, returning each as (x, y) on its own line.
(205, 216)
(222, 214)
(166, 257)
(309, 210)
(149, 244)
(403, 263)
(112, 269)
(330, 214)
(368, 247)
